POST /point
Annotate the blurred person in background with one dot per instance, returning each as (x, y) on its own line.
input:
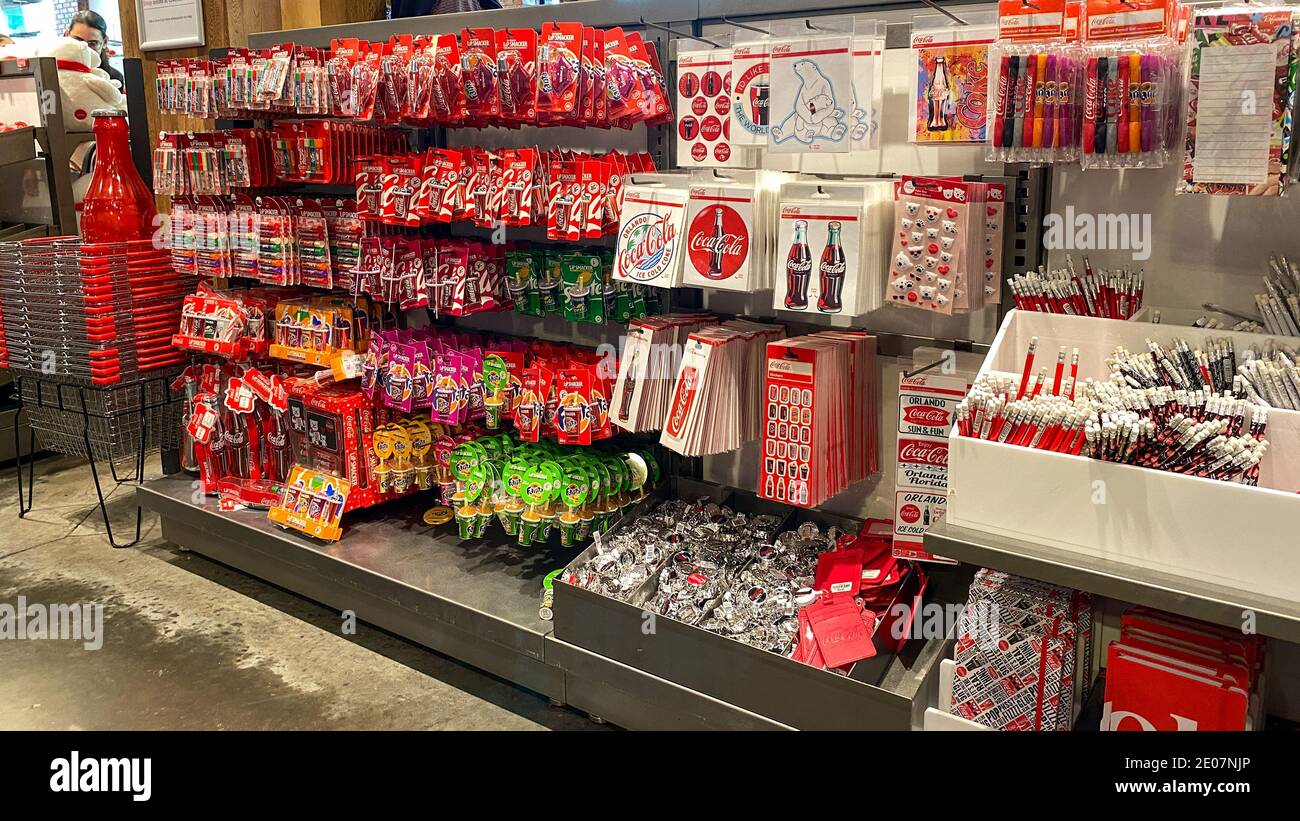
(90, 28)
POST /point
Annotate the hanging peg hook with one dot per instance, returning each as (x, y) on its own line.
(648, 24)
(745, 26)
(952, 16)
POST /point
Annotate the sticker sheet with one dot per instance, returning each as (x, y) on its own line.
(811, 95)
(719, 248)
(821, 246)
(704, 109)
(750, 93)
(926, 408)
(868, 91)
(649, 249)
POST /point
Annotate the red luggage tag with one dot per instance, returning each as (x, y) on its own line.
(807, 651)
(840, 630)
(840, 572)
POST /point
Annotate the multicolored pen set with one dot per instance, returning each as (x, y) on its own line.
(1035, 114)
(1123, 109)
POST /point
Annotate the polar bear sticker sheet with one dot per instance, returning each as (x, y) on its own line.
(811, 97)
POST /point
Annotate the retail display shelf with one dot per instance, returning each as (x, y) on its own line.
(18, 145)
(888, 691)
(1232, 607)
(478, 603)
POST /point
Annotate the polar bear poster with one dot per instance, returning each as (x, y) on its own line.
(811, 95)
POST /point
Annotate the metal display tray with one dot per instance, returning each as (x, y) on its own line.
(887, 692)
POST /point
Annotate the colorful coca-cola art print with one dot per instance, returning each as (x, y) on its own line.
(952, 83)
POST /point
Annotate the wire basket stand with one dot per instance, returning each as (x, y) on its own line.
(109, 425)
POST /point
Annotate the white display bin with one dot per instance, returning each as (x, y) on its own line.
(1237, 536)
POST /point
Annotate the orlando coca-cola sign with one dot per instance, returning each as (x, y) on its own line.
(647, 246)
(925, 416)
(922, 452)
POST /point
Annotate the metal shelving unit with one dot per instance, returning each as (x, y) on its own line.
(1220, 604)
(478, 602)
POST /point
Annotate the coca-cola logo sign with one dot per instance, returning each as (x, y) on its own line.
(717, 242)
(647, 243)
(925, 416)
(921, 452)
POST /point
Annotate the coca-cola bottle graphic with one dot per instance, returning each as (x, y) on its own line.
(562, 213)
(278, 440)
(758, 103)
(798, 268)
(831, 272)
(716, 246)
(629, 389)
(938, 95)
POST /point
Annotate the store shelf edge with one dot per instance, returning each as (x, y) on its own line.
(514, 652)
(598, 13)
(1223, 605)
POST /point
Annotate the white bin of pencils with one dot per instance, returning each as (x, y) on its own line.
(1216, 531)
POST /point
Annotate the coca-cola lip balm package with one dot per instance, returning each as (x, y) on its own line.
(517, 74)
(558, 70)
(478, 72)
(718, 239)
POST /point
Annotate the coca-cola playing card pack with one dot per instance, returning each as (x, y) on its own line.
(818, 415)
(831, 240)
(647, 368)
(717, 395)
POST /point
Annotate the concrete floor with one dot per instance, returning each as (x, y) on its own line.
(192, 644)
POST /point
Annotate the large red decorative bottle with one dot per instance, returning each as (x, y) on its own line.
(117, 206)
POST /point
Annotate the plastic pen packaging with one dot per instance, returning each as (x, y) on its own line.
(1132, 78)
(1127, 89)
(1034, 108)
